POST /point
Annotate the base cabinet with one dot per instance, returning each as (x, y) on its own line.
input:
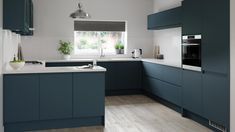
(53, 100)
(163, 81)
(216, 98)
(21, 98)
(56, 96)
(192, 92)
(123, 75)
(88, 97)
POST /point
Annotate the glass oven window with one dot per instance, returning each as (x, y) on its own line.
(192, 54)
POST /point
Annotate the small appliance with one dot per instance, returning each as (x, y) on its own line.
(137, 53)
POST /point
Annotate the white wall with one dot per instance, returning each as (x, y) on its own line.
(232, 66)
(169, 40)
(161, 5)
(52, 23)
(1, 59)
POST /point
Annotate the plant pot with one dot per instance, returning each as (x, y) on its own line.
(66, 57)
(17, 65)
(118, 51)
(121, 51)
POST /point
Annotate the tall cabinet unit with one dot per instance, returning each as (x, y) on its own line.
(211, 19)
(215, 61)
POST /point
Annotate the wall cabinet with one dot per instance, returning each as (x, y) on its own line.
(192, 17)
(88, 97)
(56, 96)
(18, 16)
(21, 98)
(192, 92)
(165, 19)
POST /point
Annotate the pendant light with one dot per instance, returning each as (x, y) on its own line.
(80, 13)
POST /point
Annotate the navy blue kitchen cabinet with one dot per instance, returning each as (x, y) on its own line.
(123, 75)
(163, 81)
(162, 89)
(216, 36)
(18, 16)
(88, 96)
(192, 17)
(53, 100)
(165, 19)
(216, 98)
(21, 98)
(192, 92)
(56, 96)
(168, 74)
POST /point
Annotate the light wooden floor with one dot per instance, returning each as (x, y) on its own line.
(139, 113)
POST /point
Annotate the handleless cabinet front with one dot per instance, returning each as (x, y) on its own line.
(88, 94)
(21, 98)
(55, 96)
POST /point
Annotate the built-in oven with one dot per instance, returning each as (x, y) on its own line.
(191, 52)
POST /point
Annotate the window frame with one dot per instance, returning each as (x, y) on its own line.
(97, 54)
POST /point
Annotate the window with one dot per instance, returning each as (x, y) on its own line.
(91, 36)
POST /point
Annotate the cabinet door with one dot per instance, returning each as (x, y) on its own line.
(111, 75)
(165, 19)
(215, 39)
(88, 94)
(21, 98)
(153, 70)
(216, 98)
(192, 91)
(129, 75)
(192, 17)
(55, 96)
(162, 89)
(123, 75)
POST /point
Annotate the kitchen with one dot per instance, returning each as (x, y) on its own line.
(142, 80)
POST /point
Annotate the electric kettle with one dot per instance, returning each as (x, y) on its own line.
(137, 53)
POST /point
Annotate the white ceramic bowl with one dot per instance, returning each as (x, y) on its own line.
(17, 65)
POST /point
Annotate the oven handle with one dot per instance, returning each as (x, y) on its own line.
(190, 44)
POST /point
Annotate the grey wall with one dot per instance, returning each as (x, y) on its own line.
(232, 65)
(1, 63)
(52, 23)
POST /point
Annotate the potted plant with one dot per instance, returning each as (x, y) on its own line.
(119, 47)
(65, 49)
(122, 49)
(17, 63)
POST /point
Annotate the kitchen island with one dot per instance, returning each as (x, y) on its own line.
(38, 97)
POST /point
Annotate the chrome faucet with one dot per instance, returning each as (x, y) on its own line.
(102, 53)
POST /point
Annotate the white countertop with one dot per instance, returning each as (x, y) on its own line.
(27, 69)
(91, 60)
(151, 60)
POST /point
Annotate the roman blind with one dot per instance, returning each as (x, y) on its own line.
(99, 26)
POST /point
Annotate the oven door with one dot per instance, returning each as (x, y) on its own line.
(191, 57)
